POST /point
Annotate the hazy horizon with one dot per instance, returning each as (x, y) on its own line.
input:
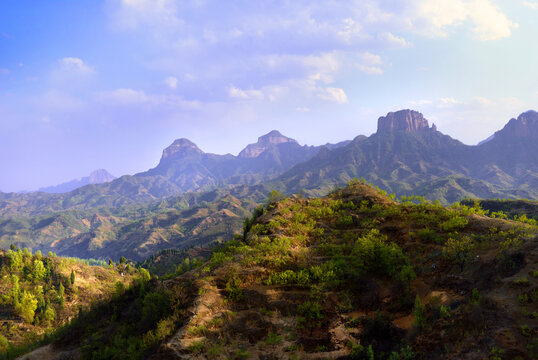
(109, 84)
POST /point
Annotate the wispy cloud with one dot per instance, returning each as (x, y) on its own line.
(4, 71)
(531, 4)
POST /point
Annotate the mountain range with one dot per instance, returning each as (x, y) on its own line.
(192, 197)
(96, 177)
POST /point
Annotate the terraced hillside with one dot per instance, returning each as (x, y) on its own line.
(353, 275)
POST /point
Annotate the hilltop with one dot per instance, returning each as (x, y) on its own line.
(352, 275)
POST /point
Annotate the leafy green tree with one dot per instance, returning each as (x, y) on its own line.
(48, 315)
(39, 272)
(27, 307)
(4, 345)
(13, 247)
(68, 282)
(38, 254)
(459, 250)
(15, 260)
(123, 260)
(15, 292)
(61, 291)
(72, 277)
(144, 274)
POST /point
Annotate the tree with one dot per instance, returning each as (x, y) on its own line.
(123, 260)
(15, 292)
(61, 291)
(68, 282)
(38, 270)
(49, 315)
(419, 311)
(144, 274)
(13, 247)
(4, 344)
(27, 306)
(459, 250)
(72, 277)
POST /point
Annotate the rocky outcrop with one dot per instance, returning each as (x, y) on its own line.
(179, 147)
(526, 125)
(264, 143)
(403, 120)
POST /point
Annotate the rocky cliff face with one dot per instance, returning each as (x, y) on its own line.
(403, 120)
(526, 125)
(264, 143)
(180, 147)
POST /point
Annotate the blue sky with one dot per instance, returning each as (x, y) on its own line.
(93, 84)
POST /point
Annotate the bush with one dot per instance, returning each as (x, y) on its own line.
(4, 344)
(419, 311)
(459, 250)
(373, 254)
(27, 307)
(310, 315)
(454, 223)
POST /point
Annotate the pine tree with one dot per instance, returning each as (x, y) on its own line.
(72, 277)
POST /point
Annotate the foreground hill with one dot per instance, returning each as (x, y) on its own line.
(352, 275)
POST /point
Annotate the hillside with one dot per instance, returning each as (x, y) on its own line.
(41, 293)
(135, 232)
(352, 275)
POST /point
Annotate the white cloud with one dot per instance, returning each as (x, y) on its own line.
(123, 96)
(171, 82)
(448, 102)
(303, 109)
(394, 40)
(435, 17)
(490, 22)
(370, 70)
(237, 93)
(532, 5)
(332, 94)
(74, 65)
(369, 63)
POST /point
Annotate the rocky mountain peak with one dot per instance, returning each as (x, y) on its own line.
(180, 146)
(264, 142)
(403, 120)
(100, 176)
(526, 125)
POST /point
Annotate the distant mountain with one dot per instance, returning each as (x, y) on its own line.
(407, 156)
(191, 169)
(192, 197)
(96, 177)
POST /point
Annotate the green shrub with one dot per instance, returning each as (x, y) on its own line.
(373, 254)
(27, 307)
(310, 315)
(454, 223)
(419, 312)
(459, 250)
(4, 345)
(273, 339)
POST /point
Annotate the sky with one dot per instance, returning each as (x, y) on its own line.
(92, 84)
